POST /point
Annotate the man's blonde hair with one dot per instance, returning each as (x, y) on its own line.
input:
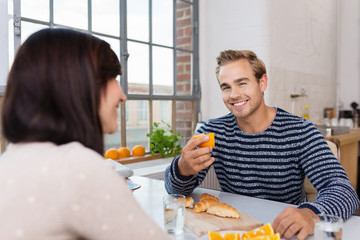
(228, 56)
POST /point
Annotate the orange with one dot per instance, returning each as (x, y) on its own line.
(231, 236)
(214, 235)
(138, 150)
(223, 236)
(124, 152)
(260, 231)
(210, 143)
(275, 236)
(111, 153)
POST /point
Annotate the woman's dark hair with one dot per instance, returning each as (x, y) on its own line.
(54, 87)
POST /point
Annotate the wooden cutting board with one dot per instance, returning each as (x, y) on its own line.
(201, 223)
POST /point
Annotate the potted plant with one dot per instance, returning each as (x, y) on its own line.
(163, 140)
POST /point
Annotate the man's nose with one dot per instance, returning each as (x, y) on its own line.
(235, 93)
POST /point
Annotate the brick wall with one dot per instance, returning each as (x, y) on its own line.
(184, 109)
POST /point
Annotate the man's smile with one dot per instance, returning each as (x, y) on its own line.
(238, 104)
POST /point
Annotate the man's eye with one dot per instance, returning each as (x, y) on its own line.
(225, 88)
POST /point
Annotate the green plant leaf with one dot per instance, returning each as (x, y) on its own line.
(163, 140)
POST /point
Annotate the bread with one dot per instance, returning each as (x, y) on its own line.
(205, 195)
(189, 202)
(204, 204)
(223, 210)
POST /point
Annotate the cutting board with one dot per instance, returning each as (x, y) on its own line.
(201, 223)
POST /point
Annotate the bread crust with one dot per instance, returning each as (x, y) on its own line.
(204, 204)
(205, 195)
(189, 202)
(223, 210)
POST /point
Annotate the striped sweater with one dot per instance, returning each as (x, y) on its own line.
(272, 164)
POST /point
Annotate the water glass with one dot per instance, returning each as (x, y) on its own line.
(174, 208)
(328, 227)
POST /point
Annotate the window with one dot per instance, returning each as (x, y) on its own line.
(157, 43)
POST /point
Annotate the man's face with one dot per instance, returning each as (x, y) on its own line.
(240, 91)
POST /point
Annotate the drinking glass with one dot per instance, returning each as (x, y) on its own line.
(174, 208)
(328, 227)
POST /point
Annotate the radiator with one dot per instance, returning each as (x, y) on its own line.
(211, 180)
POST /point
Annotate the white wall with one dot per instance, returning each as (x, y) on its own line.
(298, 41)
(349, 54)
(229, 24)
(303, 53)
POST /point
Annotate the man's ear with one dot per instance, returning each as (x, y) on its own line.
(263, 81)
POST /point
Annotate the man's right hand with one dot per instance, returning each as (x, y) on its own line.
(193, 159)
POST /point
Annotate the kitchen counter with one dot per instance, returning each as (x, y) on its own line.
(349, 152)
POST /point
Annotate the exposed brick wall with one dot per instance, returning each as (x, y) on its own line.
(184, 111)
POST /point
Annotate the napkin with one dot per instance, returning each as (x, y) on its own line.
(120, 169)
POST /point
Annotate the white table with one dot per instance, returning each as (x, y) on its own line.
(150, 195)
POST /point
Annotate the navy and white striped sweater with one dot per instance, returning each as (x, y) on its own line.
(272, 165)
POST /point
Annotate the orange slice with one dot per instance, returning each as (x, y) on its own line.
(231, 236)
(215, 235)
(275, 236)
(223, 236)
(210, 143)
(260, 231)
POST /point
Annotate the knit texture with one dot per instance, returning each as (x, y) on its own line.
(272, 164)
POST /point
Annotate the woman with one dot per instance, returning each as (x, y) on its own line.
(61, 97)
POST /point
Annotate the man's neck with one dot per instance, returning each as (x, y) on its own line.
(260, 120)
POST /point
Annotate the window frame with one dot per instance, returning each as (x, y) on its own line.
(194, 97)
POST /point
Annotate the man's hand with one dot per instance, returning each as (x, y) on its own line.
(294, 221)
(193, 159)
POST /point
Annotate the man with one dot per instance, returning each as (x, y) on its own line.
(264, 152)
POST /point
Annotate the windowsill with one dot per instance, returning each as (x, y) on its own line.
(145, 158)
(154, 168)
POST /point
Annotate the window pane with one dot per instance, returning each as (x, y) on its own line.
(113, 140)
(36, 9)
(162, 111)
(183, 73)
(184, 25)
(184, 119)
(163, 71)
(162, 23)
(71, 13)
(138, 68)
(11, 42)
(138, 125)
(28, 28)
(106, 17)
(138, 19)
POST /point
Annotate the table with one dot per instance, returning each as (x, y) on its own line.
(349, 147)
(149, 196)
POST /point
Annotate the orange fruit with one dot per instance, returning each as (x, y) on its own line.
(138, 150)
(275, 236)
(231, 236)
(124, 152)
(214, 235)
(111, 153)
(223, 236)
(260, 231)
(210, 143)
